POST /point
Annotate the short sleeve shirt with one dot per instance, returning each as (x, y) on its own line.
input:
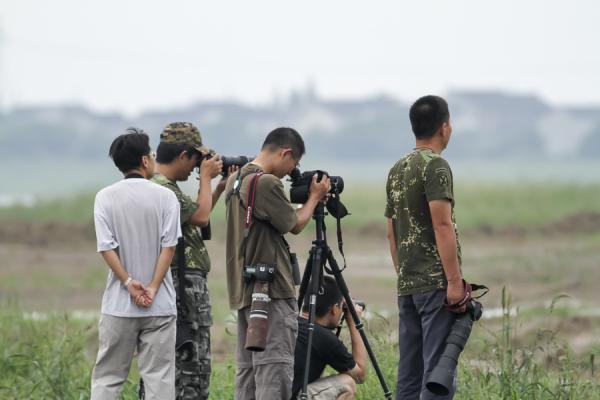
(136, 218)
(274, 216)
(196, 254)
(415, 180)
(327, 349)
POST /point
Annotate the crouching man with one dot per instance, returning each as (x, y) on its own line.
(328, 349)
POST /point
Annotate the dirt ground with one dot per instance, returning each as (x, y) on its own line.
(54, 268)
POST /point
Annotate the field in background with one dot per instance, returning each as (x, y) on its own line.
(541, 242)
(477, 206)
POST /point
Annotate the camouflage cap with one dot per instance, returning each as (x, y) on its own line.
(184, 133)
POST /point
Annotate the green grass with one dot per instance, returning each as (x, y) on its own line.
(476, 206)
(74, 209)
(52, 359)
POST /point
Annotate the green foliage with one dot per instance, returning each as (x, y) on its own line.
(476, 206)
(74, 209)
(543, 369)
(51, 357)
(47, 357)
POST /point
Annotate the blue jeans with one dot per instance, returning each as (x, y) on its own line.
(423, 327)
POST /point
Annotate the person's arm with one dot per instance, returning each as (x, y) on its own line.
(209, 169)
(162, 266)
(392, 242)
(216, 194)
(445, 237)
(134, 287)
(359, 352)
(318, 191)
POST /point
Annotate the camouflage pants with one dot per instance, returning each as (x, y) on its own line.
(192, 368)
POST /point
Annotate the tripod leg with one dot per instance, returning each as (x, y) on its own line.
(318, 261)
(337, 274)
(305, 278)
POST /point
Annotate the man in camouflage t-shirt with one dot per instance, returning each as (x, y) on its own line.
(178, 153)
(424, 247)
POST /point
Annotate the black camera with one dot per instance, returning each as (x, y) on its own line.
(260, 272)
(301, 184)
(239, 161)
(358, 302)
(300, 188)
(441, 379)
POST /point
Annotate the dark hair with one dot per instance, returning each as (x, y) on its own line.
(328, 296)
(128, 149)
(427, 116)
(285, 138)
(167, 152)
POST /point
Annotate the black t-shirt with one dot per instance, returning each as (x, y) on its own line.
(327, 349)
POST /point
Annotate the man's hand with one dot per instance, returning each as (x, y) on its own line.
(455, 293)
(319, 190)
(148, 297)
(231, 170)
(211, 167)
(359, 311)
(137, 292)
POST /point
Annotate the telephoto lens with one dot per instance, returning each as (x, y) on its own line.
(258, 323)
(441, 379)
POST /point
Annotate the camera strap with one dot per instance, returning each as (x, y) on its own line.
(469, 289)
(249, 215)
(181, 272)
(340, 241)
(250, 203)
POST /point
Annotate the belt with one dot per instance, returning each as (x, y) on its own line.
(189, 271)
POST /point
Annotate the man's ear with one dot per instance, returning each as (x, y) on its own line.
(183, 155)
(331, 310)
(443, 131)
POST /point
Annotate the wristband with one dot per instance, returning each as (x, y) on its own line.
(128, 281)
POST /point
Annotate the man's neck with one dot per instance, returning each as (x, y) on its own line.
(167, 171)
(138, 171)
(432, 145)
(263, 160)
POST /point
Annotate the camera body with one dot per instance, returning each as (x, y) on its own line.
(301, 181)
(239, 161)
(358, 302)
(260, 273)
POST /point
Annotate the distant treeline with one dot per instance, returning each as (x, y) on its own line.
(486, 125)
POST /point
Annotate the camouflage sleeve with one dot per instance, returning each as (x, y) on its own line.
(186, 204)
(438, 180)
(389, 188)
(188, 207)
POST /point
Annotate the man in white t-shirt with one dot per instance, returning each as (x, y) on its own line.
(137, 228)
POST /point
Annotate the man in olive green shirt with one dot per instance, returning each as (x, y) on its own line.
(178, 153)
(267, 375)
(424, 247)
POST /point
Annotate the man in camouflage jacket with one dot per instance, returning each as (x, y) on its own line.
(178, 154)
(424, 247)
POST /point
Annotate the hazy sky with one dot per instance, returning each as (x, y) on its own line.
(128, 56)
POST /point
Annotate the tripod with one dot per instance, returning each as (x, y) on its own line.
(319, 254)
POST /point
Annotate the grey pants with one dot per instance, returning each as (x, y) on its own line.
(268, 375)
(423, 327)
(154, 339)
